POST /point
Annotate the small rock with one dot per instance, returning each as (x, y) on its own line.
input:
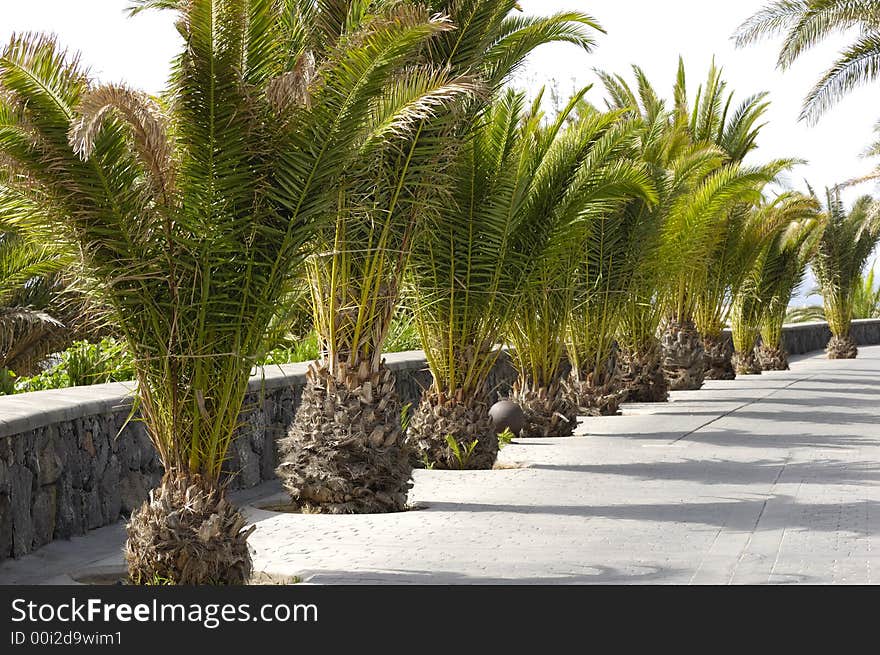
(44, 514)
(133, 491)
(50, 465)
(20, 496)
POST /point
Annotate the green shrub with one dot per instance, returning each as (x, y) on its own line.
(403, 335)
(83, 364)
(306, 350)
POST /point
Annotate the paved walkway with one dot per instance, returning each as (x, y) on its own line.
(765, 479)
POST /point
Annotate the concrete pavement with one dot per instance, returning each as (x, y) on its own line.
(767, 479)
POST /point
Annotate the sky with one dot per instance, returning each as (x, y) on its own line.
(651, 34)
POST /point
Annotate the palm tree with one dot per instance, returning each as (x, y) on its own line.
(30, 288)
(806, 23)
(677, 167)
(696, 154)
(639, 353)
(592, 178)
(747, 234)
(734, 129)
(745, 326)
(193, 212)
(782, 270)
(345, 451)
(465, 272)
(847, 242)
(472, 265)
(608, 260)
(790, 219)
(866, 303)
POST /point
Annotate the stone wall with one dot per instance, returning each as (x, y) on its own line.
(810, 337)
(71, 460)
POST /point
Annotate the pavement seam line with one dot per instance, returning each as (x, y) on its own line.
(740, 407)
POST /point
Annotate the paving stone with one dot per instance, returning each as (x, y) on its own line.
(766, 479)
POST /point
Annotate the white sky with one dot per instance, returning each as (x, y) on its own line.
(651, 34)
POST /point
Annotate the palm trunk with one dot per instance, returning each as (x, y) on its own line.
(463, 418)
(549, 411)
(598, 392)
(772, 359)
(746, 363)
(719, 354)
(642, 375)
(187, 533)
(345, 452)
(684, 360)
(842, 347)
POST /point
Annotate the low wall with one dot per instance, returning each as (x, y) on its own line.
(810, 337)
(803, 338)
(71, 461)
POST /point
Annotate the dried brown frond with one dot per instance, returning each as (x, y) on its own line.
(148, 123)
(26, 337)
(293, 89)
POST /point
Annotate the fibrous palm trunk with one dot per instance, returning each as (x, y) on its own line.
(642, 375)
(598, 392)
(187, 533)
(684, 356)
(345, 452)
(465, 419)
(549, 411)
(719, 355)
(746, 363)
(772, 359)
(842, 348)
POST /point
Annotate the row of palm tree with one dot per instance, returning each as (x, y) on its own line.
(849, 236)
(296, 139)
(368, 148)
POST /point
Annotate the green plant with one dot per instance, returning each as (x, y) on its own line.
(303, 350)
(31, 287)
(866, 299)
(806, 23)
(754, 285)
(387, 205)
(83, 364)
(805, 314)
(590, 175)
(780, 272)
(505, 438)
(744, 228)
(470, 270)
(462, 452)
(849, 238)
(194, 213)
(405, 413)
(7, 382)
(694, 149)
(403, 335)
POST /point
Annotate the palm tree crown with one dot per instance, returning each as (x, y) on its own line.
(805, 23)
